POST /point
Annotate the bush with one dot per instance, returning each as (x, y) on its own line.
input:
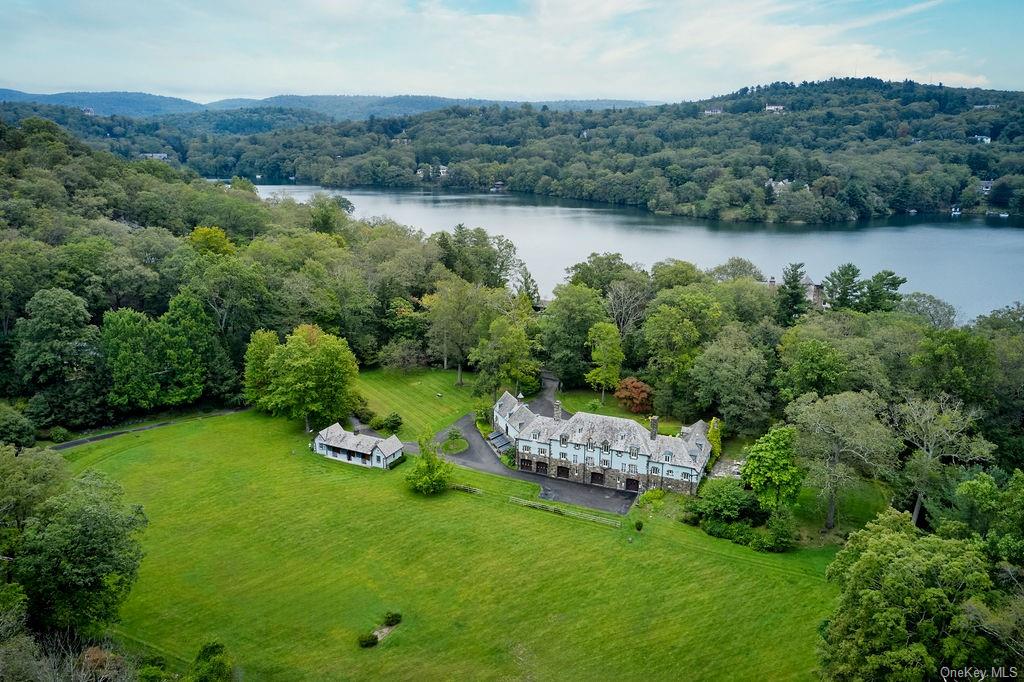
(392, 618)
(652, 496)
(639, 525)
(58, 434)
(453, 435)
(592, 405)
(723, 499)
(740, 533)
(388, 424)
(397, 461)
(212, 664)
(483, 410)
(368, 640)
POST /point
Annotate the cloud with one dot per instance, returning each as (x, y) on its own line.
(645, 49)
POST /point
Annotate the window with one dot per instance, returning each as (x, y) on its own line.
(542, 451)
(575, 459)
(564, 440)
(526, 448)
(575, 446)
(623, 468)
(632, 468)
(590, 445)
(605, 462)
(654, 470)
(536, 435)
(668, 472)
(562, 455)
(634, 452)
(605, 446)
(590, 461)
(378, 459)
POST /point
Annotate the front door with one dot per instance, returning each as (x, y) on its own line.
(542, 467)
(596, 478)
(562, 472)
(633, 484)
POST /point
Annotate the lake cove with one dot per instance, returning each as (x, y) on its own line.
(975, 263)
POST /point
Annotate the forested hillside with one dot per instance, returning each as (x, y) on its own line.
(107, 103)
(841, 150)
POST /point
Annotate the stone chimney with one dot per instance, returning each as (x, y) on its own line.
(558, 410)
(654, 427)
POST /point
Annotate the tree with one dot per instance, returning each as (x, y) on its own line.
(958, 362)
(635, 395)
(736, 268)
(606, 352)
(901, 604)
(15, 428)
(792, 297)
(211, 664)
(528, 286)
(504, 357)
(312, 377)
(210, 240)
(843, 287)
(731, 375)
(810, 365)
(941, 431)
(881, 292)
(27, 478)
(564, 327)
(841, 435)
(771, 469)
(627, 301)
(460, 314)
(192, 360)
(258, 376)
(599, 271)
(127, 340)
(80, 555)
(431, 475)
(671, 273)
(931, 309)
(326, 214)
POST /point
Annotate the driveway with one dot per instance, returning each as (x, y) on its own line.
(481, 457)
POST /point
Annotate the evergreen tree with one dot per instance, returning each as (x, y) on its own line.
(792, 296)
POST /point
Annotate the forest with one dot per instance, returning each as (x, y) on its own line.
(131, 286)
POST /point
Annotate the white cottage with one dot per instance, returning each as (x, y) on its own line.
(335, 442)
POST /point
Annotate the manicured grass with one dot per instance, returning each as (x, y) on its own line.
(580, 399)
(287, 557)
(414, 396)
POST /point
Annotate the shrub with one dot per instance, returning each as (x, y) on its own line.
(368, 640)
(212, 664)
(483, 409)
(715, 438)
(639, 525)
(740, 533)
(723, 499)
(392, 618)
(58, 434)
(392, 422)
(453, 435)
(652, 496)
(397, 461)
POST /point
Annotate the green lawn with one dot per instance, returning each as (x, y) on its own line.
(414, 396)
(855, 507)
(580, 399)
(286, 557)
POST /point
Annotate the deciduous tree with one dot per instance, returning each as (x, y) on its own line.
(606, 352)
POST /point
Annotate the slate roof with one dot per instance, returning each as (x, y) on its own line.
(336, 436)
(690, 450)
(506, 403)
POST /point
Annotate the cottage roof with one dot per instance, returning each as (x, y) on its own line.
(506, 403)
(338, 437)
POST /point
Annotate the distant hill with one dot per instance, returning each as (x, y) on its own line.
(108, 103)
(338, 107)
(362, 107)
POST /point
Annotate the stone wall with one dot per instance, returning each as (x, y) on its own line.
(613, 478)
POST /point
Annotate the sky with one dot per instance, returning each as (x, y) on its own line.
(654, 50)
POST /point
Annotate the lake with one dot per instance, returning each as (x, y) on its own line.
(975, 263)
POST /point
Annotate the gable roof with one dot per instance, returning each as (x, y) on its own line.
(691, 449)
(506, 403)
(335, 435)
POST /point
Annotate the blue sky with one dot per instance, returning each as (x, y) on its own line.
(507, 49)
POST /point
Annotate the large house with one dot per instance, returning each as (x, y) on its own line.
(607, 451)
(335, 442)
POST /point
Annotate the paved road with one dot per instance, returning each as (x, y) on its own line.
(481, 457)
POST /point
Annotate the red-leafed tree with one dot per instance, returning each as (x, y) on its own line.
(635, 395)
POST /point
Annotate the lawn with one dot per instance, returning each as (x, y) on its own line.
(287, 557)
(855, 507)
(413, 395)
(581, 399)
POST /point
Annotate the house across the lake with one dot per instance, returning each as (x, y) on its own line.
(335, 442)
(608, 451)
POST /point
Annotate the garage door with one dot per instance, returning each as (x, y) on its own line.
(526, 465)
(632, 484)
(596, 478)
(562, 472)
(542, 467)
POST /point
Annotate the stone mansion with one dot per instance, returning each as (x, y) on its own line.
(607, 451)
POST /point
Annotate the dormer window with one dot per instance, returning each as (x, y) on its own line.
(668, 457)
(536, 435)
(564, 440)
(605, 445)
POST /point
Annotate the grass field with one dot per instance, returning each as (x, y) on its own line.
(286, 557)
(580, 399)
(414, 396)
